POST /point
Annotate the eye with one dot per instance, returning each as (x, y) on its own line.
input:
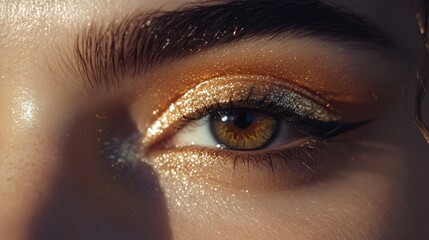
(255, 120)
(245, 115)
(273, 97)
(237, 129)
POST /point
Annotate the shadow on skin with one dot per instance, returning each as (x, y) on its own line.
(94, 196)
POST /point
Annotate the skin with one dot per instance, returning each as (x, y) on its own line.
(54, 184)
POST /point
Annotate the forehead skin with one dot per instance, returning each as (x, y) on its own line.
(33, 107)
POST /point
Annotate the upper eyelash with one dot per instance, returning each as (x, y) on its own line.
(268, 107)
(309, 113)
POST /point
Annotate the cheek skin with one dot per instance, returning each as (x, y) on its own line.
(361, 201)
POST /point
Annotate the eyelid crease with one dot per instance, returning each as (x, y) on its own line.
(240, 88)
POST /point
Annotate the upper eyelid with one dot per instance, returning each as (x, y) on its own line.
(102, 55)
(200, 97)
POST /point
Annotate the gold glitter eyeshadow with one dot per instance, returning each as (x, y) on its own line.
(239, 88)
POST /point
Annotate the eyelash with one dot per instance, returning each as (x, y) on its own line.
(310, 127)
(300, 110)
(312, 152)
(311, 160)
(307, 150)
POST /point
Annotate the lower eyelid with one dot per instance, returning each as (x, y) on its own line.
(281, 168)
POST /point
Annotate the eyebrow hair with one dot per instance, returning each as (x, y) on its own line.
(104, 54)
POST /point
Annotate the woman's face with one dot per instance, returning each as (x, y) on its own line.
(219, 120)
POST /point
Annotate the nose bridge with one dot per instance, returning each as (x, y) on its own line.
(58, 181)
(100, 192)
(28, 168)
(55, 180)
(30, 147)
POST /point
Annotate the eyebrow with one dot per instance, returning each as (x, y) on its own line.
(105, 54)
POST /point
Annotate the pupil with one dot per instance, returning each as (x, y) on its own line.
(243, 119)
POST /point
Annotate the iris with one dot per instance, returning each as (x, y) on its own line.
(243, 129)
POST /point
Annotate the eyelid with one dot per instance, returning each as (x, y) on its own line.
(227, 89)
(298, 163)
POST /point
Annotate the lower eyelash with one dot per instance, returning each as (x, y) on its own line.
(309, 153)
(273, 159)
(290, 167)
